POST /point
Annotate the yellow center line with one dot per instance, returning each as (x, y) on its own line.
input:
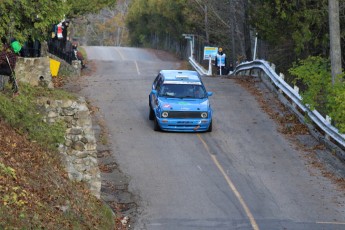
(232, 186)
(136, 65)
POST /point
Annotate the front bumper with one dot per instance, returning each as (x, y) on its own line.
(184, 125)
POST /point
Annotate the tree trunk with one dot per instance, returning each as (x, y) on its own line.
(334, 31)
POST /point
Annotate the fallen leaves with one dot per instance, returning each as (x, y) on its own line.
(58, 81)
(33, 183)
(287, 121)
(288, 124)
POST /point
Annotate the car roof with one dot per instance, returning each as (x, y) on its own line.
(180, 76)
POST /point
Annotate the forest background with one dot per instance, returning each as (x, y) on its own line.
(294, 35)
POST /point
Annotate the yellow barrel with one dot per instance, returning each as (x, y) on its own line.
(54, 67)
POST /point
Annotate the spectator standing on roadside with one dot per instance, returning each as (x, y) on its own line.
(8, 60)
(220, 62)
(231, 68)
(37, 48)
(65, 25)
(78, 55)
(69, 52)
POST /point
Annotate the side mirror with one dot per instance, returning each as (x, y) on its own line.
(209, 94)
(154, 91)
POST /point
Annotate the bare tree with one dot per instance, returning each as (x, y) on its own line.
(230, 21)
(105, 28)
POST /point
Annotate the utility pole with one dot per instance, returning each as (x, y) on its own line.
(232, 31)
(334, 31)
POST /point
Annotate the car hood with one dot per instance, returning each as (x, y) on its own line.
(185, 104)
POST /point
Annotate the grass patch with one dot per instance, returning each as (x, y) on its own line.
(22, 113)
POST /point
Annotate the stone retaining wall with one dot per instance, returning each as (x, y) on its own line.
(73, 70)
(79, 150)
(34, 71)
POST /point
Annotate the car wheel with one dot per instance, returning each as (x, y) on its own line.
(152, 114)
(210, 127)
(156, 126)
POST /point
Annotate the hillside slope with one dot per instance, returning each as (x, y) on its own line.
(36, 192)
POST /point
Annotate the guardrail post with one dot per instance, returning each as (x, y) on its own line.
(253, 73)
(273, 66)
(296, 89)
(282, 77)
(328, 121)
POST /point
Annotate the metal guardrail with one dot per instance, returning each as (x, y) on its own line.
(201, 70)
(279, 82)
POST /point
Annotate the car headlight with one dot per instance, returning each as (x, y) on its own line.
(204, 115)
(165, 114)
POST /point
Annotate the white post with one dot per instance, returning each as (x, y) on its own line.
(282, 76)
(273, 66)
(255, 46)
(209, 73)
(192, 47)
(296, 89)
(329, 122)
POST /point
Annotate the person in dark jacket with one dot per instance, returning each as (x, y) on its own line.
(78, 55)
(8, 61)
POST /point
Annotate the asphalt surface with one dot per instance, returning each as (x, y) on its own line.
(243, 175)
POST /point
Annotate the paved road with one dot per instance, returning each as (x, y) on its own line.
(243, 175)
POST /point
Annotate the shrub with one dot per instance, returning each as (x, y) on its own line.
(320, 94)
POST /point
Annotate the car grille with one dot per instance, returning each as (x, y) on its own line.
(184, 114)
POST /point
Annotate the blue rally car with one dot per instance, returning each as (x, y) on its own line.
(179, 102)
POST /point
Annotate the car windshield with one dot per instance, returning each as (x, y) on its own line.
(182, 91)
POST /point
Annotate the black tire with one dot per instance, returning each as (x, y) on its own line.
(210, 127)
(152, 114)
(156, 126)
